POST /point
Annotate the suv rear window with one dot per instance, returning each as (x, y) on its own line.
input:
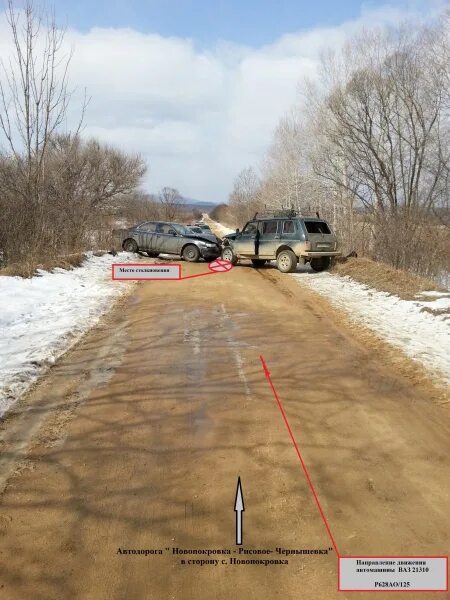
(317, 227)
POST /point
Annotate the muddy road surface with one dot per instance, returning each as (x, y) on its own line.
(134, 442)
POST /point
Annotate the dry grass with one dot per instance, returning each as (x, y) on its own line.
(385, 278)
(27, 268)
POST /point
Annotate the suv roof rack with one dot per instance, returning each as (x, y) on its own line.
(267, 214)
(282, 213)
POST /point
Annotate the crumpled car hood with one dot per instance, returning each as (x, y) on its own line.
(210, 239)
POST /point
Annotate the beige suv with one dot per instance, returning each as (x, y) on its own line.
(286, 238)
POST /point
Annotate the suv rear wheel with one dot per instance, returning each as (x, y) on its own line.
(286, 261)
(258, 262)
(191, 253)
(320, 264)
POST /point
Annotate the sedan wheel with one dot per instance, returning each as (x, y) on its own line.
(191, 253)
(130, 246)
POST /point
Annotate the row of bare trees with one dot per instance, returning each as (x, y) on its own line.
(55, 187)
(167, 205)
(368, 146)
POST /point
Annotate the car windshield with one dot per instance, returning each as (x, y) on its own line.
(250, 229)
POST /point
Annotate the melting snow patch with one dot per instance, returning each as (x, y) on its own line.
(423, 336)
(438, 305)
(222, 229)
(433, 293)
(434, 301)
(41, 317)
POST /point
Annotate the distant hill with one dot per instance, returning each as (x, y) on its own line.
(191, 204)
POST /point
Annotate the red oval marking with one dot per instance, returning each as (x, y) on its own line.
(220, 266)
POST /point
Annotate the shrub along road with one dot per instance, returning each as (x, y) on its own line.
(135, 440)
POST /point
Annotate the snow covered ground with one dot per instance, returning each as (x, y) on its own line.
(222, 230)
(419, 327)
(41, 317)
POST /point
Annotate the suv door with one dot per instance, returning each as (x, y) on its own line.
(245, 244)
(269, 239)
(166, 240)
(145, 233)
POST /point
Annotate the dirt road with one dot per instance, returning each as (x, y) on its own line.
(136, 438)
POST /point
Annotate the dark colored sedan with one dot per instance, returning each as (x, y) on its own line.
(203, 226)
(156, 237)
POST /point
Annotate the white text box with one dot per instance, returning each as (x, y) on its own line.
(128, 271)
(393, 573)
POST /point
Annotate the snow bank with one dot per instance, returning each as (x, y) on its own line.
(41, 317)
(423, 336)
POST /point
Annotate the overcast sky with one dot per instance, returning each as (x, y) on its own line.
(198, 87)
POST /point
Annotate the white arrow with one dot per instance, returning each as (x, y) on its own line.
(239, 509)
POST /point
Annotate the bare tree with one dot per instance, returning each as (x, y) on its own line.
(383, 136)
(245, 197)
(171, 203)
(283, 164)
(442, 60)
(85, 181)
(289, 180)
(34, 93)
(369, 147)
(34, 97)
(56, 189)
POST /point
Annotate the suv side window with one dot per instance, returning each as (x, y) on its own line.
(269, 227)
(250, 229)
(292, 230)
(288, 227)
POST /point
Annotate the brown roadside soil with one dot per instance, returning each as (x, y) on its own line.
(135, 440)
